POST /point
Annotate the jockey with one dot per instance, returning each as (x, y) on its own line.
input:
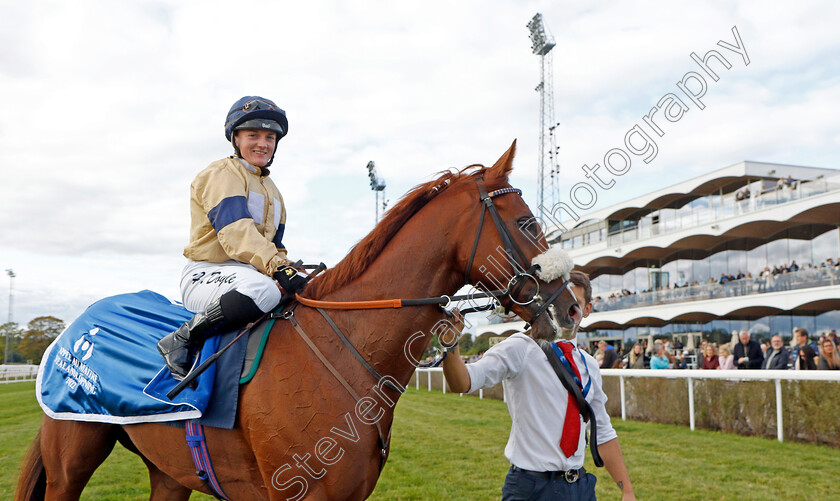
(237, 222)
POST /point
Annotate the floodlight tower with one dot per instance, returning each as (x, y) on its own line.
(549, 167)
(12, 276)
(377, 184)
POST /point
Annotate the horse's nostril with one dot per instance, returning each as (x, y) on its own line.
(575, 313)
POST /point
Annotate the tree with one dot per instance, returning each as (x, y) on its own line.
(479, 346)
(13, 331)
(37, 336)
(466, 342)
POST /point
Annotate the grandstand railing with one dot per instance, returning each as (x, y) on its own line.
(18, 373)
(713, 210)
(690, 375)
(803, 279)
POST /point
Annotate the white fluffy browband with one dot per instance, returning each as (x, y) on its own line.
(554, 263)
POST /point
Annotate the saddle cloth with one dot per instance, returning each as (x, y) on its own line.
(105, 367)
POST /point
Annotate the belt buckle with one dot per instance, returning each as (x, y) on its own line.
(571, 476)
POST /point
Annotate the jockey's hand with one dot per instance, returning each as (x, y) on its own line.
(290, 280)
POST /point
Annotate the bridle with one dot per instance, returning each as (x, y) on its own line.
(514, 254)
(515, 285)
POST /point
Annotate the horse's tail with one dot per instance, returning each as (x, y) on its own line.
(32, 483)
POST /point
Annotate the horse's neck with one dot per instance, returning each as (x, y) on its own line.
(409, 269)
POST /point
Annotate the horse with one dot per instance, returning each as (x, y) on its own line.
(301, 432)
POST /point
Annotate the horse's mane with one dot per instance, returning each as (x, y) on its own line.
(369, 248)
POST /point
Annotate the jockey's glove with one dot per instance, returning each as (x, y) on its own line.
(290, 280)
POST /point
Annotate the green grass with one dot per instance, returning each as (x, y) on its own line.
(447, 447)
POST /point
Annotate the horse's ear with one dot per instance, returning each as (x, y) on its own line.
(501, 169)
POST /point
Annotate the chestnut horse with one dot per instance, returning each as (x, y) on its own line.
(299, 433)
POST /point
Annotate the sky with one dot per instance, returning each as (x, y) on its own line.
(109, 109)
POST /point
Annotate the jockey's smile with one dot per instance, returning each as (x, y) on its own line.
(256, 146)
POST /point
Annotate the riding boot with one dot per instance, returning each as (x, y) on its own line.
(176, 347)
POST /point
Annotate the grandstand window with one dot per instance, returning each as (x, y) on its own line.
(826, 246)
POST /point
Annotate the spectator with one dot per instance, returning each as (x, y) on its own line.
(748, 352)
(682, 360)
(661, 359)
(726, 359)
(793, 267)
(803, 354)
(777, 357)
(833, 336)
(710, 358)
(610, 356)
(764, 346)
(829, 359)
(637, 357)
(599, 355)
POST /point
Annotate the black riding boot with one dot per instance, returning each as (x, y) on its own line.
(176, 346)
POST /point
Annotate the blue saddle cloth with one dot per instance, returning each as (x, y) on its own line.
(105, 367)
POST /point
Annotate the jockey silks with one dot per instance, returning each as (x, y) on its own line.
(236, 213)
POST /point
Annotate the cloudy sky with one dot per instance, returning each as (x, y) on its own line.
(109, 109)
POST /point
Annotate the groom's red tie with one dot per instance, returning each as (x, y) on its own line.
(571, 425)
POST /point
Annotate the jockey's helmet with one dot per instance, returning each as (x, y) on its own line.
(255, 112)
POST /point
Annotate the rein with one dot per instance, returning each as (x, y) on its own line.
(444, 301)
(512, 249)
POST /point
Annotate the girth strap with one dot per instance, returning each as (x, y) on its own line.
(201, 459)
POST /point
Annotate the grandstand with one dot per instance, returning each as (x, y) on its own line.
(751, 246)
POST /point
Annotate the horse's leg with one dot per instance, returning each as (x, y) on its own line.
(72, 450)
(164, 487)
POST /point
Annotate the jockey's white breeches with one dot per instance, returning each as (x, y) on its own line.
(203, 282)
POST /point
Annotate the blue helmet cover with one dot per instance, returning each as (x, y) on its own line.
(252, 107)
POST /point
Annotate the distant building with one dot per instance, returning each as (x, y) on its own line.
(751, 246)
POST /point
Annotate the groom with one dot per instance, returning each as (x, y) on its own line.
(547, 444)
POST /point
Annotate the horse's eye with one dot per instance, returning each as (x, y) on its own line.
(530, 225)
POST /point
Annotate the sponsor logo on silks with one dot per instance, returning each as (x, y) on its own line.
(84, 345)
(266, 126)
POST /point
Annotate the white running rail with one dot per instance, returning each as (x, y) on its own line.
(690, 375)
(17, 373)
